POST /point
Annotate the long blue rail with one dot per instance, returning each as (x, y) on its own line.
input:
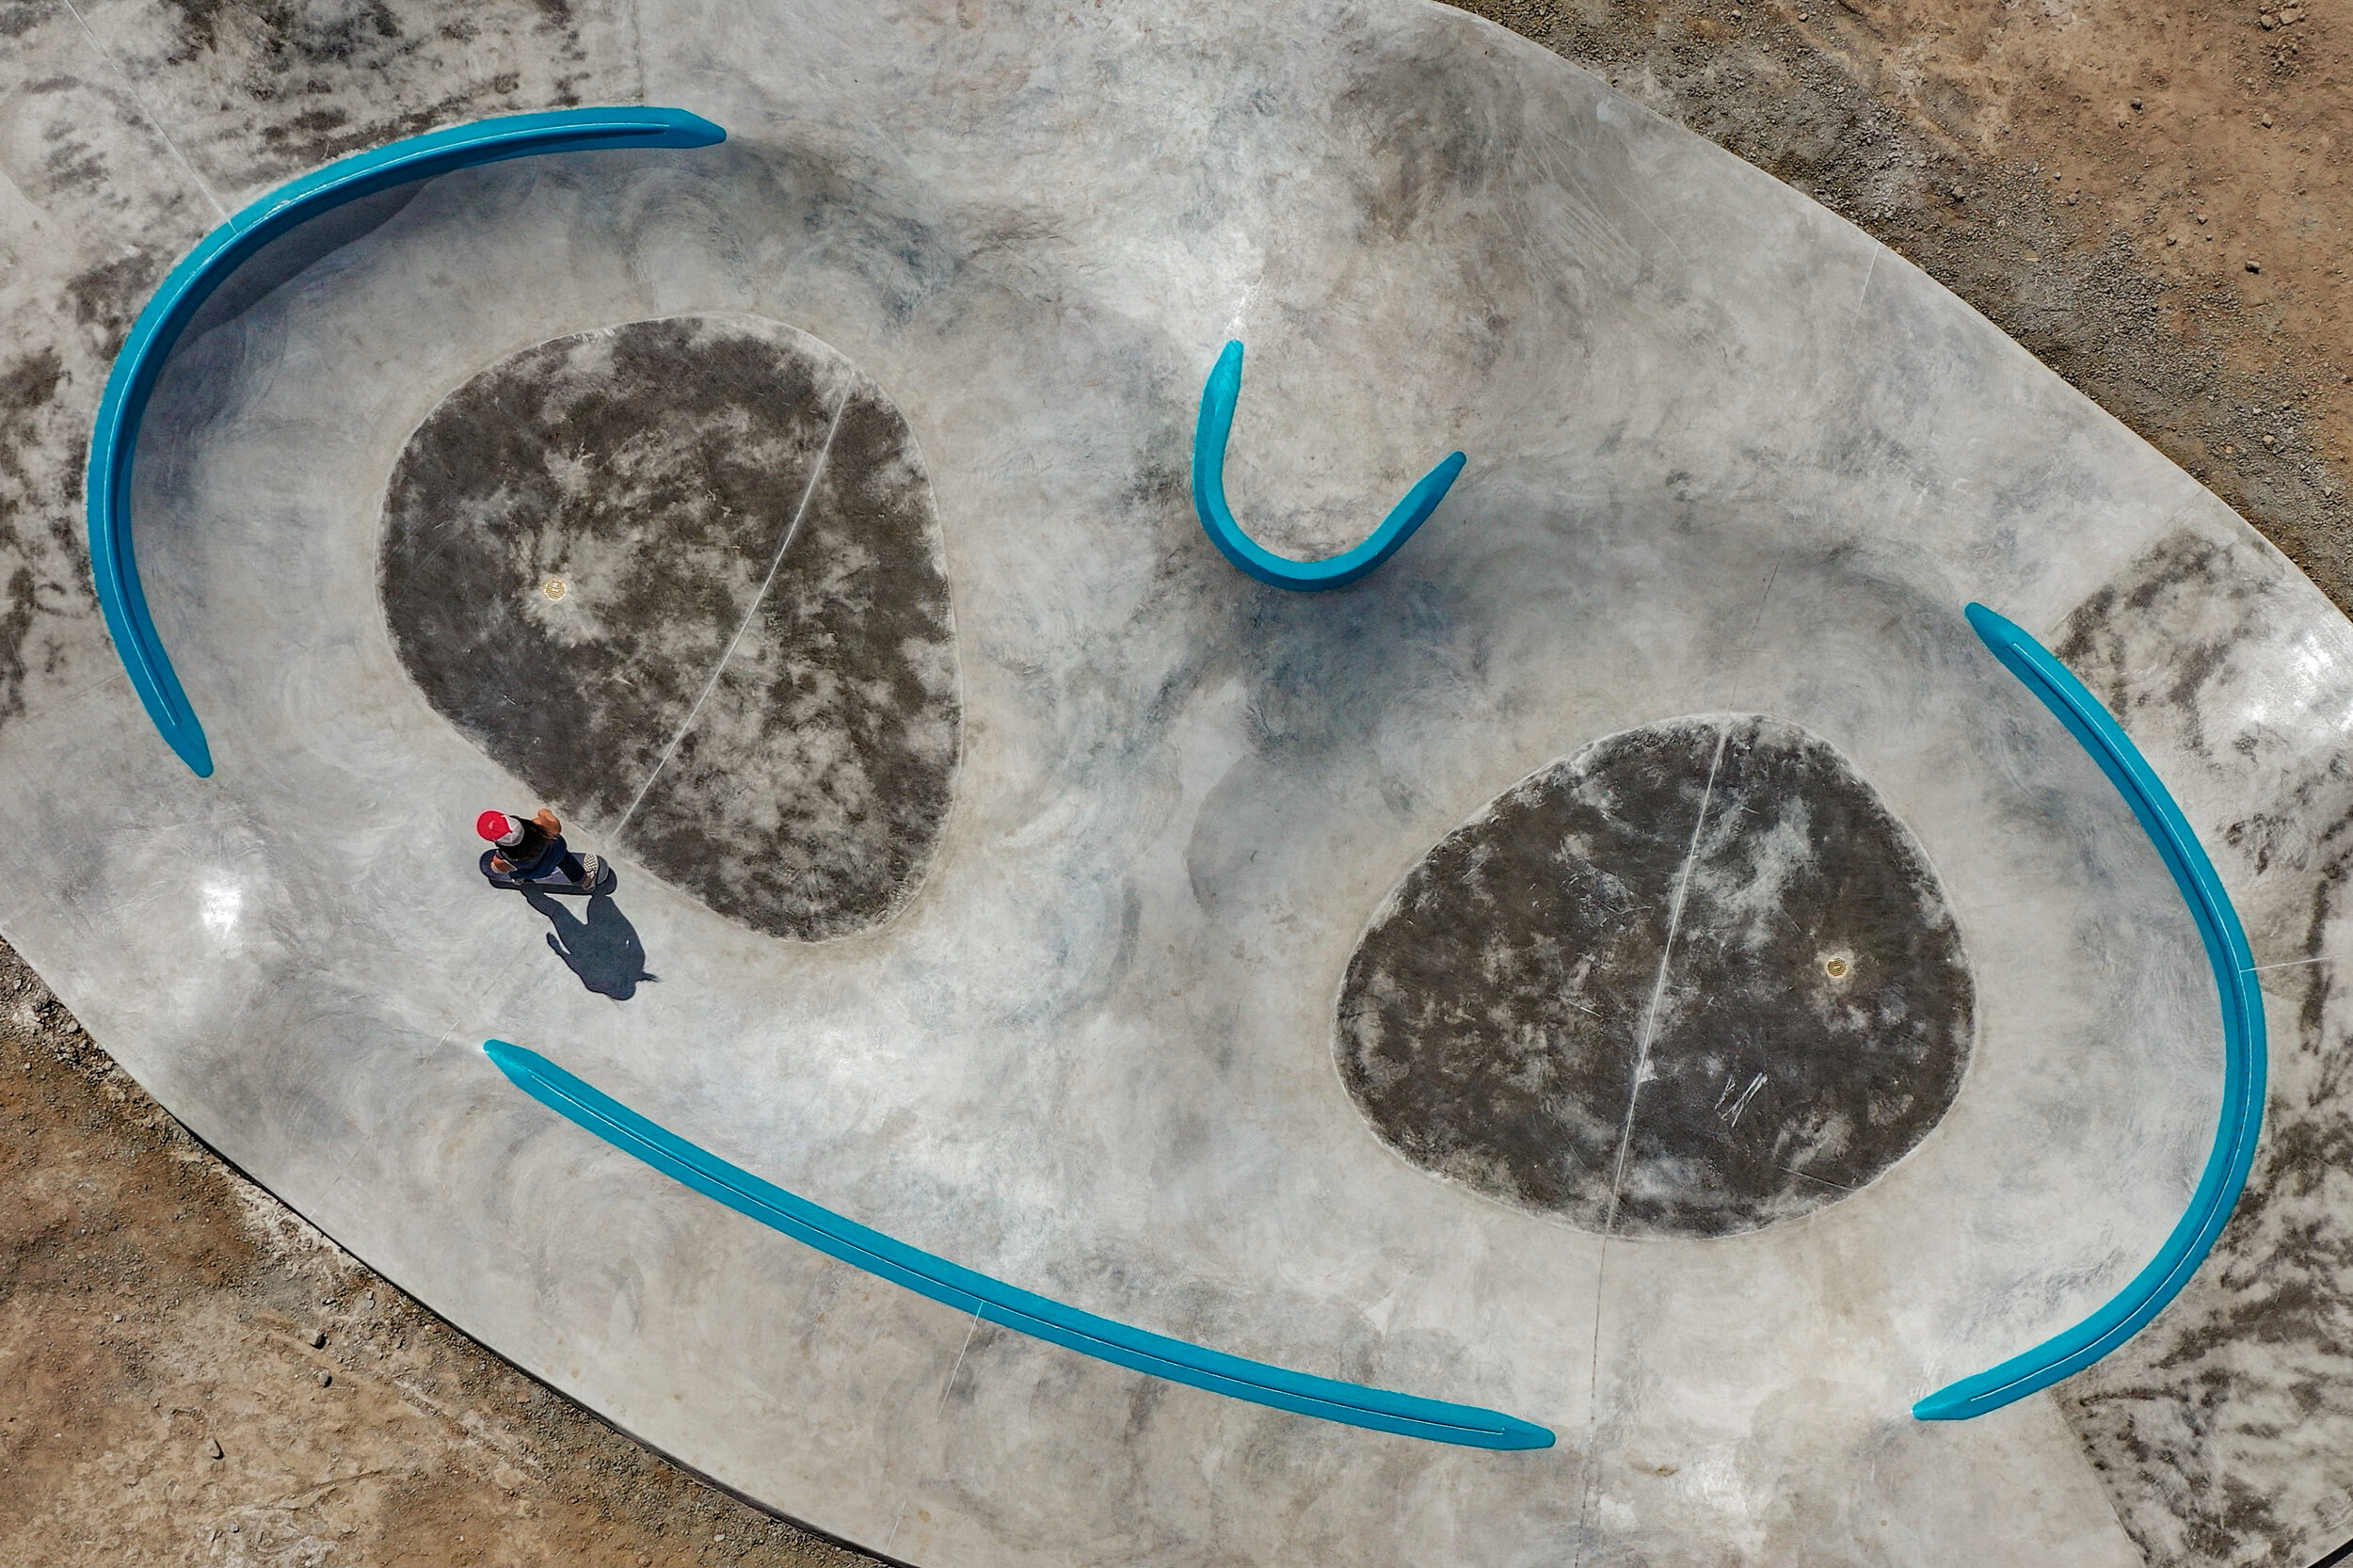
(1218, 396)
(114, 441)
(2219, 1187)
(960, 1288)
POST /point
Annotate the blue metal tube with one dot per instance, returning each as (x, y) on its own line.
(2233, 1151)
(1216, 421)
(114, 440)
(967, 1291)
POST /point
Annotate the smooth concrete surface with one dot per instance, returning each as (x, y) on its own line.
(1728, 458)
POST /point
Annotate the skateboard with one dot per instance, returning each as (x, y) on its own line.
(598, 877)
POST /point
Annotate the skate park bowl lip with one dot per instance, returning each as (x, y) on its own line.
(115, 571)
(141, 650)
(1219, 394)
(2064, 1354)
(2233, 1152)
(114, 438)
(993, 1301)
(1096, 1049)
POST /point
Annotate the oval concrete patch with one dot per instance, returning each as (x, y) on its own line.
(684, 578)
(1717, 908)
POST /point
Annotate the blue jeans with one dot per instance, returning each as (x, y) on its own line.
(553, 857)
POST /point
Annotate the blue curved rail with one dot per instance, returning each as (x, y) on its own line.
(114, 441)
(994, 1300)
(1218, 396)
(2217, 1190)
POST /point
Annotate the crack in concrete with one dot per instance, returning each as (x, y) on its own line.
(775, 564)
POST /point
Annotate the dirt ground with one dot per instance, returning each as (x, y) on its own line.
(192, 1374)
(2152, 198)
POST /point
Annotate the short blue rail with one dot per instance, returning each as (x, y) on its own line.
(960, 1288)
(2233, 1151)
(1218, 396)
(114, 441)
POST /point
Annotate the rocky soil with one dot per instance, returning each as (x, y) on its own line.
(189, 1374)
(2152, 198)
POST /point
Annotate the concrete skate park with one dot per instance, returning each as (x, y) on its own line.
(1596, 1039)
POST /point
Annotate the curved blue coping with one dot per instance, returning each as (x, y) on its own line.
(114, 440)
(2217, 1191)
(1218, 396)
(994, 1300)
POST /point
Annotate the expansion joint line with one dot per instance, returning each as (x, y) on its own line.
(203, 188)
(1625, 1131)
(1659, 984)
(775, 564)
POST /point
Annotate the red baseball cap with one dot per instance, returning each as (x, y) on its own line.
(492, 826)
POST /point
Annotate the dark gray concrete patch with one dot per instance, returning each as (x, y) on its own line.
(2212, 1451)
(1488, 1019)
(652, 470)
(99, 214)
(1806, 1022)
(813, 785)
(649, 476)
(1817, 1010)
(261, 89)
(28, 387)
(2181, 612)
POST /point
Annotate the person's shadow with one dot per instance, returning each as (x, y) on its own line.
(602, 949)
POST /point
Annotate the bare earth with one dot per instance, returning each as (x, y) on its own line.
(2152, 199)
(193, 1374)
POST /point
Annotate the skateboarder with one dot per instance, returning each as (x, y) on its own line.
(532, 853)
